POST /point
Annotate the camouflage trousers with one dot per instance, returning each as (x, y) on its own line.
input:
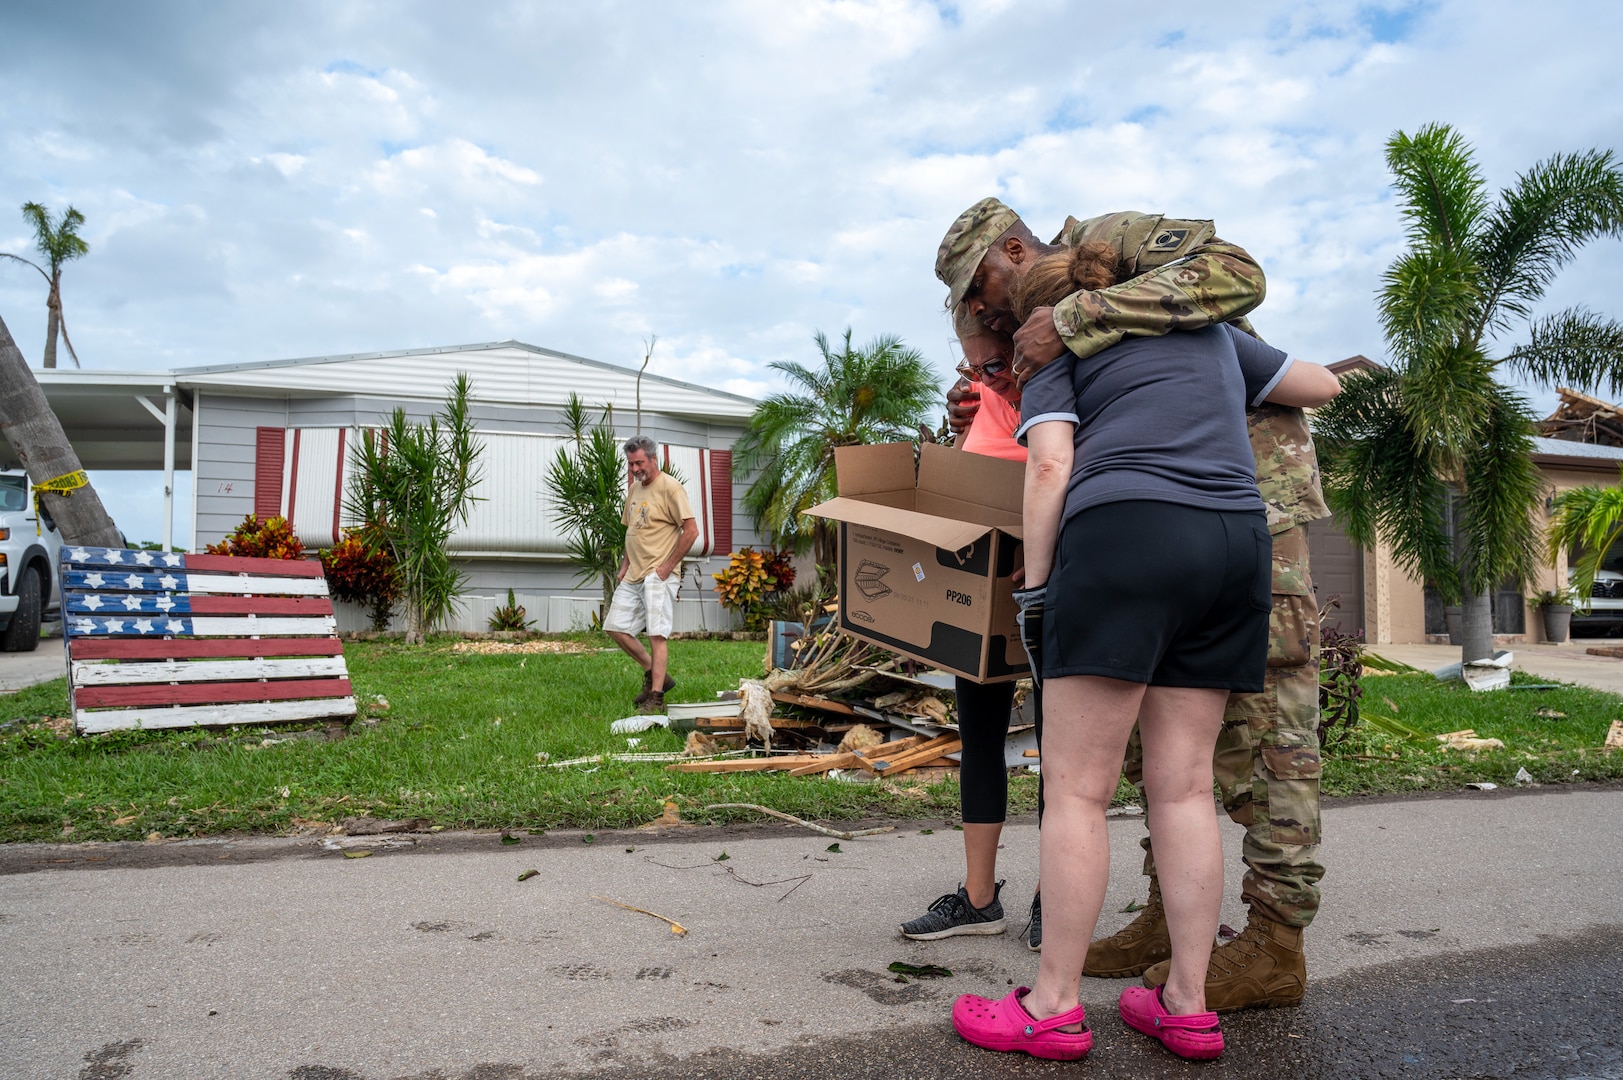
(1267, 761)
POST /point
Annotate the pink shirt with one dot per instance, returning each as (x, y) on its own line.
(992, 431)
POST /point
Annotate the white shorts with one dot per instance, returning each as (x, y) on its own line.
(648, 604)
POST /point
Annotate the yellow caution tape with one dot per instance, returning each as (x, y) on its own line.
(64, 485)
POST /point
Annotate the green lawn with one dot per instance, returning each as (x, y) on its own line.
(458, 747)
(1554, 749)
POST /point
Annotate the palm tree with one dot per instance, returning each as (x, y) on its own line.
(873, 394)
(58, 242)
(412, 485)
(38, 442)
(587, 485)
(1433, 454)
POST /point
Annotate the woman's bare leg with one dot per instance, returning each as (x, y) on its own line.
(1179, 727)
(1084, 740)
(980, 858)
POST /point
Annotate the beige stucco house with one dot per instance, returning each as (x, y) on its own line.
(1582, 443)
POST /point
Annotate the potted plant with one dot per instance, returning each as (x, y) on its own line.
(1556, 607)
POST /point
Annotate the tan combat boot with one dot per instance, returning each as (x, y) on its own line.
(1263, 968)
(1137, 946)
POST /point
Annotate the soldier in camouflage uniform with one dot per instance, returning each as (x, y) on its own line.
(1178, 275)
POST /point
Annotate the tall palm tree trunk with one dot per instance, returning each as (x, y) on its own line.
(1476, 617)
(36, 437)
(53, 322)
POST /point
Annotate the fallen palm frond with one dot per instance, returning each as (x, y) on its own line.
(676, 927)
(1389, 726)
(828, 663)
(1378, 662)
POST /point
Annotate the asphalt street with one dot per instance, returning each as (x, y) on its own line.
(1470, 936)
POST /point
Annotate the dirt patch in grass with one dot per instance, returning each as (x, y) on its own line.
(502, 648)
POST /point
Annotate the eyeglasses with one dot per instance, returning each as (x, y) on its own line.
(989, 370)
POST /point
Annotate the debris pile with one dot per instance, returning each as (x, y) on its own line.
(841, 708)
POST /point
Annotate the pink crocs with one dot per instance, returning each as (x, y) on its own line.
(1005, 1025)
(1197, 1037)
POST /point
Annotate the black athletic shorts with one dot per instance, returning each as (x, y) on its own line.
(1158, 593)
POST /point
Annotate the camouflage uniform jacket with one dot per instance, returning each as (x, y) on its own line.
(1180, 276)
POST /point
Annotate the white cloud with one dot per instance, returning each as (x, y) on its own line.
(288, 165)
(454, 163)
(330, 178)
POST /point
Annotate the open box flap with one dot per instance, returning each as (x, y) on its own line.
(940, 532)
(865, 470)
(995, 483)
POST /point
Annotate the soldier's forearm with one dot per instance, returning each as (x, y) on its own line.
(1217, 283)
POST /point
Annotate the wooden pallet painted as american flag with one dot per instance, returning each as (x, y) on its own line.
(160, 640)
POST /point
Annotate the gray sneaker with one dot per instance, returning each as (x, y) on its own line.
(1034, 928)
(953, 914)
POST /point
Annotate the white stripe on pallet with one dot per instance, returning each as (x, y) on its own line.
(101, 673)
(263, 712)
(261, 626)
(257, 586)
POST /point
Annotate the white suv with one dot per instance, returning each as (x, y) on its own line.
(30, 557)
(1604, 612)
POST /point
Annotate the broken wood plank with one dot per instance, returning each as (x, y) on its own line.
(820, 703)
(870, 759)
(944, 744)
(826, 763)
(766, 764)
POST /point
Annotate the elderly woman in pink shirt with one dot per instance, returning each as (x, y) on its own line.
(983, 709)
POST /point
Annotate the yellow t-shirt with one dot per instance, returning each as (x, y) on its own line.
(653, 519)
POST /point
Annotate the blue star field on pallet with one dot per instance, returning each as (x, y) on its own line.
(96, 603)
(103, 579)
(93, 556)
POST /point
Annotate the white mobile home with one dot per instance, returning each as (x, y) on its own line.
(273, 438)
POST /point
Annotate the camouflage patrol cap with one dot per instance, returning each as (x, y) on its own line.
(967, 243)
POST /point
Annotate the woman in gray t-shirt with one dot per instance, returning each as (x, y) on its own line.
(1147, 550)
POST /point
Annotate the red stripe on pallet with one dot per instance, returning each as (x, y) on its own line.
(240, 564)
(260, 605)
(222, 693)
(200, 648)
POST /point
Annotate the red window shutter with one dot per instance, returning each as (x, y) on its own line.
(721, 499)
(269, 447)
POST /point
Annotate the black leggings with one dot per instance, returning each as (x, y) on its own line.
(983, 725)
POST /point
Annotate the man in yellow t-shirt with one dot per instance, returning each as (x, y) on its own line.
(659, 530)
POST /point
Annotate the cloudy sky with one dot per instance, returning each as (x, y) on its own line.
(265, 181)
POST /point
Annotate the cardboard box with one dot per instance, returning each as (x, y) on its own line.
(925, 560)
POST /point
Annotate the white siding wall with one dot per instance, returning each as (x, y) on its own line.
(516, 514)
(522, 443)
(224, 470)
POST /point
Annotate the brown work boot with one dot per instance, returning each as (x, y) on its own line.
(1138, 945)
(651, 703)
(1263, 968)
(648, 683)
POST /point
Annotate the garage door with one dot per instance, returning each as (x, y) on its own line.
(1338, 571)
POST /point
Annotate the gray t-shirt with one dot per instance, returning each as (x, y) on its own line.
(1160, 418)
